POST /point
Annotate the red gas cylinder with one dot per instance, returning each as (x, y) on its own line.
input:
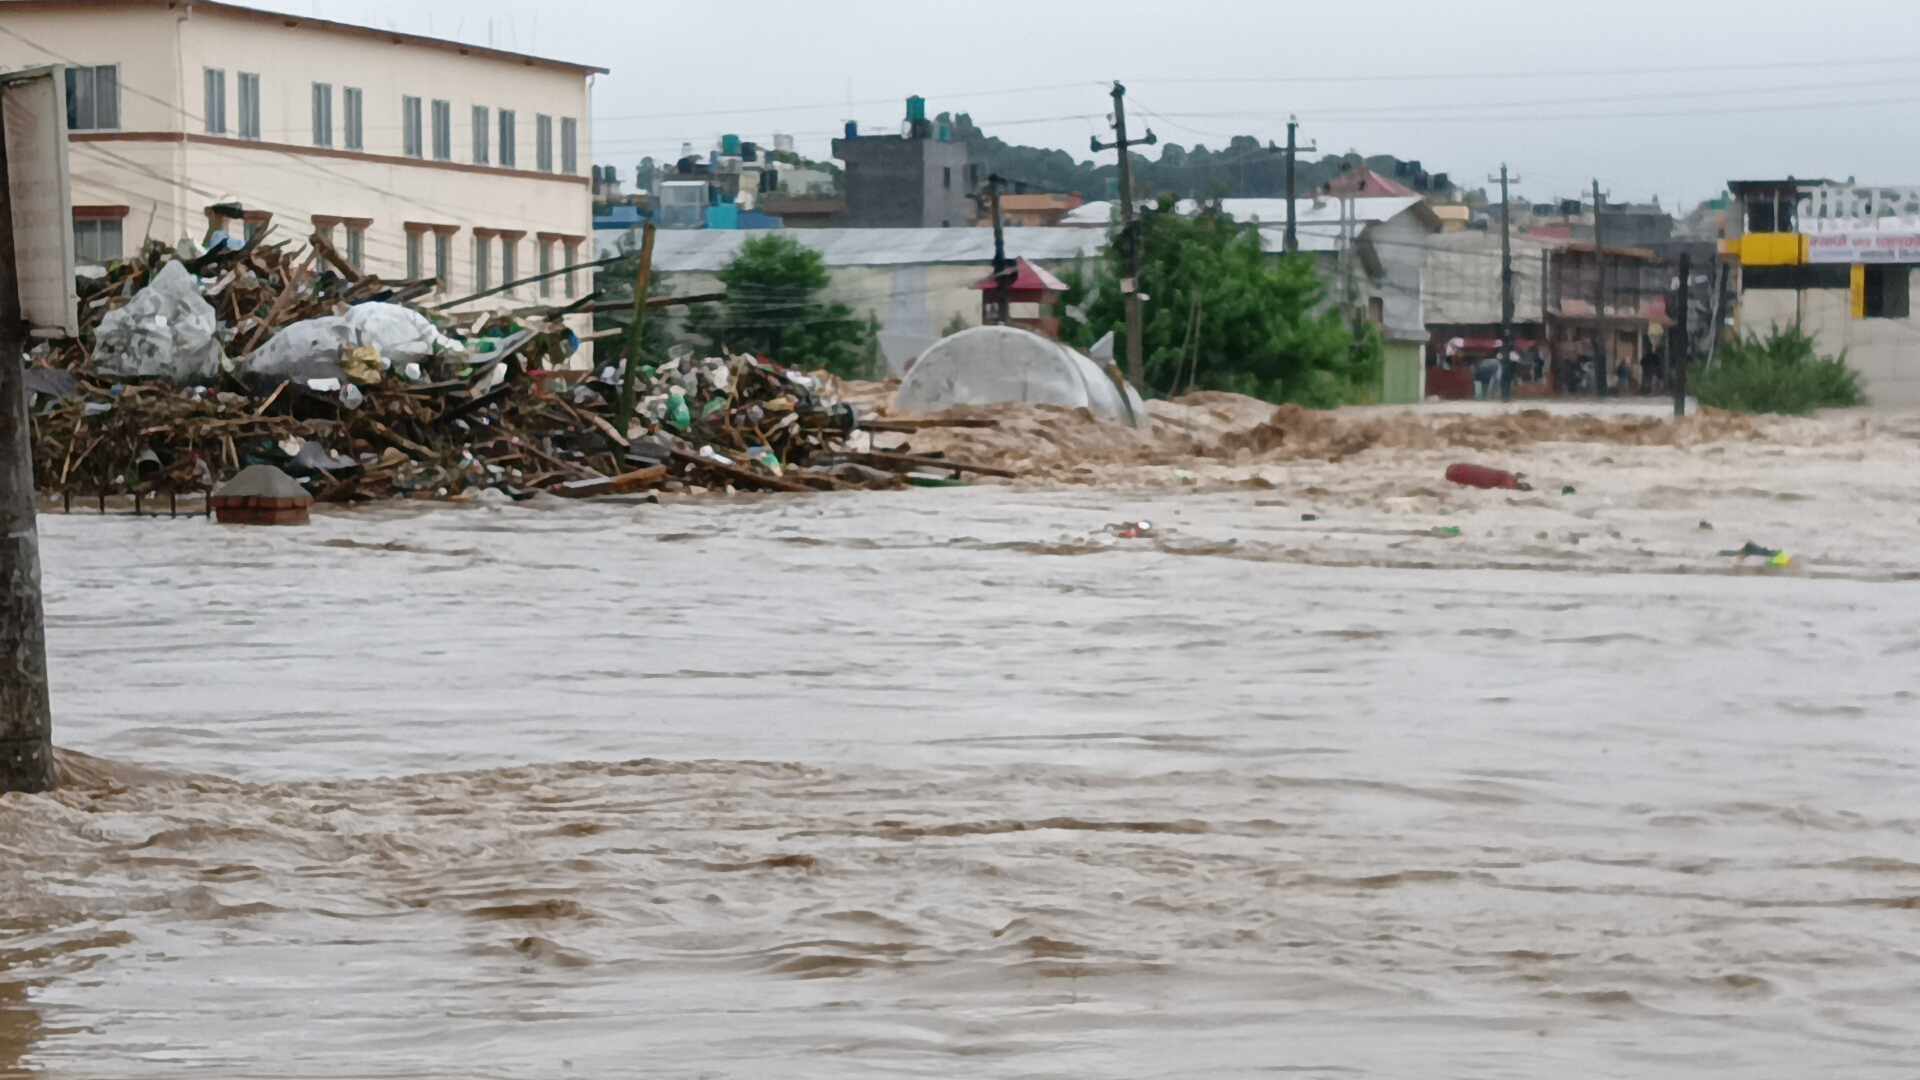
(1480, 476)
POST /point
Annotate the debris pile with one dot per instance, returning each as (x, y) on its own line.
(191, 367)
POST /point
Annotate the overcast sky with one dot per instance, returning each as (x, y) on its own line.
(1667, 98)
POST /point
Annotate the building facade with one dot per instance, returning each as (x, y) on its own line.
(1837, 261)
(416, 157)
(919, 178)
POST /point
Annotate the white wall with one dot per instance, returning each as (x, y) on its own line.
(1886, 352)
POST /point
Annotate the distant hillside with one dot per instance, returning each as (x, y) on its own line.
(1245, 168)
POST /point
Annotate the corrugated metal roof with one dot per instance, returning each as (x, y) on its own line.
(709, 250)
(1269, 212)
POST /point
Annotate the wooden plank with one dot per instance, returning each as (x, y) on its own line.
(910, 461)
(624, 484)
(742, 476)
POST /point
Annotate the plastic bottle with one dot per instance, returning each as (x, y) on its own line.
(679, 417)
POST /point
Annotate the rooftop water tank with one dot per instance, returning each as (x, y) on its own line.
(916, 109)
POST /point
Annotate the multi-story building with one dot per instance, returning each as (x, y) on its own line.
(1837, 261)
(415, 156)
(920, 178)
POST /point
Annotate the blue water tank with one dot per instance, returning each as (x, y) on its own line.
(853, 129)
(730, 145)
(916, 109)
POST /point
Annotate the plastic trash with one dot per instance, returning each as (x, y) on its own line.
(1779, 560)
(679, 417)
(322, 347)
(1132, 530)
(1485, 478)
(166, 332)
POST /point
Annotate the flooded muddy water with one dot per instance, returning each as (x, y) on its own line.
(955, 783)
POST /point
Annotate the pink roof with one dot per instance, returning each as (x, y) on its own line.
(1027, 278)
(1367, 184)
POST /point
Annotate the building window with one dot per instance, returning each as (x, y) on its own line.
(442, 131)
(216, 98)
(946, 178)
(482, 262)
(1889, 294)
(443, 258)
(1377, 310)
(93, 98)
(543, 143)
(357, 247)
(356, 118)
(546, 267)
(506, 139)
(569, 145)
(414, 256)
(509, 255)
(96, 242)
(481, 122)
(249, 105)
(322, 114)
(573, 260)
(412, 142)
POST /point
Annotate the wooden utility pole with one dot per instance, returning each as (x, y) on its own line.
(1002, 270)
(1506, 284)
(1129, 232)
(642, 280)
(1604, 332)
(1681, 351)
(1293, 154)
(26, 716)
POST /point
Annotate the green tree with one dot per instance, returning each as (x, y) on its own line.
(773, 308)
(1265, 328)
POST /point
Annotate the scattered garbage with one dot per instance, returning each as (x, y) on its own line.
(1445, 532)
(1481, 476)
(1309, 517)
(1779, 560)
(1568, 490)
(1132, 530)
(196, 365)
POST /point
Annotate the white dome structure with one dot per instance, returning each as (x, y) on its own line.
(996, 365)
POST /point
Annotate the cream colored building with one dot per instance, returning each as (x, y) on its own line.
(417, 156)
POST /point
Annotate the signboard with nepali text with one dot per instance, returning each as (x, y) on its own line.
(33, 121)
(1864, 247)
(1859, 224)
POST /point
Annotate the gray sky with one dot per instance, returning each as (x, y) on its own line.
(1513, 81)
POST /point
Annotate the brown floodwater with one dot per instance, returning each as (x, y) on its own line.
(953, 783)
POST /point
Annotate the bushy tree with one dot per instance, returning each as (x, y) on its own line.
(1264, 326)
(1780, 373)
(773, 309)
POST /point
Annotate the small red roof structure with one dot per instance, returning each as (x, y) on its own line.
(1367, 184)
(1027, 278)
(1032, 295)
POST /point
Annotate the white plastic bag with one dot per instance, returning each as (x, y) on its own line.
(165, 332)
(313, 348)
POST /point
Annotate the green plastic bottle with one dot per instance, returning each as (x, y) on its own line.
(679, 417)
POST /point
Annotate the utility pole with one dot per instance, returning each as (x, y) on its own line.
(26, 717)
(1129, 232)
(1293, 154)
(1002, 271)
(1348, 212)
(1682, 350)
(1604, 355)
(1506, 284)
